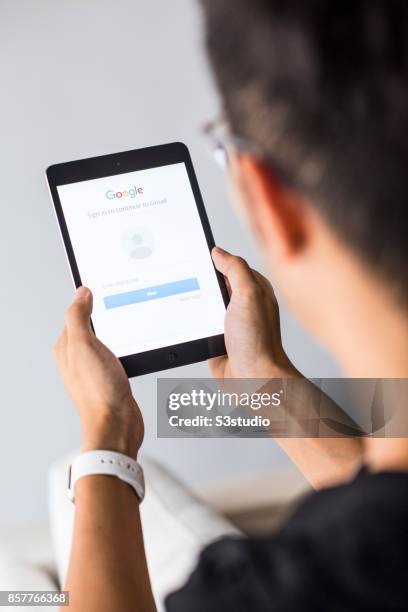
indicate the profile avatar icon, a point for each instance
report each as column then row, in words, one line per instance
column 138, row 243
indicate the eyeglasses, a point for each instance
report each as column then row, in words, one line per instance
column 222, row 140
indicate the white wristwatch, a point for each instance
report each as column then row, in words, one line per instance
column 106, row 463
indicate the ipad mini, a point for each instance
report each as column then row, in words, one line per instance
column 136, row 233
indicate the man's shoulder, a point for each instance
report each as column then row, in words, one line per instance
column 344, row 548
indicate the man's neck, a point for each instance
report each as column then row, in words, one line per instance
column 377, row 345
column 372, row 342
column 386, row 455
column 368, row 331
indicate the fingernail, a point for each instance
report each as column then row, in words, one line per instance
column 219, row 250
column 81, row 293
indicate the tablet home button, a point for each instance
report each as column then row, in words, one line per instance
column 172, row 357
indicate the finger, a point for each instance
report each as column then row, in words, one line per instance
column 228, row 286
column 78, row 316
column 217, row 366
column 263, row 282
column 236, row 269
column 61, row 347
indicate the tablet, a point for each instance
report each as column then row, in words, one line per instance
column 136, row 233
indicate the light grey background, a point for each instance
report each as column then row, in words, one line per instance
column 82, row 78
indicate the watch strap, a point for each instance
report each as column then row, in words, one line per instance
column 108, row 463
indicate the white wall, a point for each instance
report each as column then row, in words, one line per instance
column 82, row 78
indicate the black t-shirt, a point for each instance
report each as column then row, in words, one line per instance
column 345, row 548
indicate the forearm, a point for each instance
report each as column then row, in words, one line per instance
column 316, row 434
column 324, row 461
column 108, row 569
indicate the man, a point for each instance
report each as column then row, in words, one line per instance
column 316, row 102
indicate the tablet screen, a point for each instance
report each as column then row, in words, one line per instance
column 140, row 247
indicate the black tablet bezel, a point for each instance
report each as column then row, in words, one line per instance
column 120, row 163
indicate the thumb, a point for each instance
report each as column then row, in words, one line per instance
column 78, row 316
column 234, row 268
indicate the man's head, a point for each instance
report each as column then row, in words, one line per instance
column 319, row 91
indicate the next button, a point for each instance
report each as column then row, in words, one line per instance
column 151, row 293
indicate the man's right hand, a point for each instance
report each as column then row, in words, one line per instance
column 252, row 326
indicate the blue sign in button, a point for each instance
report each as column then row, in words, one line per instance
column 151, row 293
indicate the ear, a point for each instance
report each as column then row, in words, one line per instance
column 277, row 214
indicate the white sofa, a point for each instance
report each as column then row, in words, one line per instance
column 177, row 525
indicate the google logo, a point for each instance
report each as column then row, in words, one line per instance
column 132, row 192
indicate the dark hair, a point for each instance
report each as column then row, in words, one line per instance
column 321, row 89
